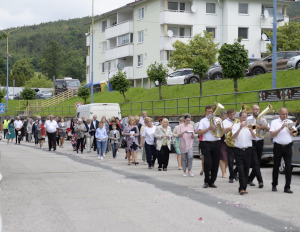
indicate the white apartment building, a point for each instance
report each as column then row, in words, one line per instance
column 136, row 35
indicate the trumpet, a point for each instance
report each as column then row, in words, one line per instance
column 290, row 126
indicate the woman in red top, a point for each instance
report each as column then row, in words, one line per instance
column 41, row 134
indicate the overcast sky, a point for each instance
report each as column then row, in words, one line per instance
column 16, row 13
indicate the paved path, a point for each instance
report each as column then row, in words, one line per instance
column 62, row 191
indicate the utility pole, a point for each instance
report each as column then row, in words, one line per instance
column 274, row 56
column 92, row 71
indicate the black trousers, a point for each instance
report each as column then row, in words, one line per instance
column 285, row 152
column 51, row 140
column 163, row 157
column 243, row 159
column 94, row 143
column 151, row 154
column 212, row 152
column 257, row 149
column 231, row 157
column 5, row 131
column 80, row 142
column 16, row 132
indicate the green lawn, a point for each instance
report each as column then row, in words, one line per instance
column 169, row 107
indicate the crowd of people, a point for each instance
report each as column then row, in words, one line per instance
column 139, row 133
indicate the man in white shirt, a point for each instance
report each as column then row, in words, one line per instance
column 142, row 118
column 211, row 149
column 283, row 143
column 18, row 126
column 243, row 142
column 228, row 123
column 51, row 128
column 257, row 148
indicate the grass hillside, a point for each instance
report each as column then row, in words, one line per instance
column 288, row 78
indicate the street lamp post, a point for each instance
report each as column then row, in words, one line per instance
column 274, row 40
column 7, row 64
column 92, row 70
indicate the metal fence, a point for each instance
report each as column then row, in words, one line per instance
column 177, row 106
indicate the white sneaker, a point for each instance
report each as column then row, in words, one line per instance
column 101, row 157
column 191, row 174
column 184, row 174
column 98, row 157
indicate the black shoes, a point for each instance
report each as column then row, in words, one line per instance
column 230, row 180
column 288, row 191
column 251, row 183
column 205, row 185
column 261, row 185
column 274, row 189
column 159, row 169
column 165, row 169
column 212, row 186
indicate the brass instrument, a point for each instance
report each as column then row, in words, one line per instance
column 228, row 138
column 246, row 109
column 260, row 133
column 290, row 126
column 217, row 121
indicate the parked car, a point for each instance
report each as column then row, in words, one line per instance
column 295, row 157
column 265, row 65
column 67, row 83
column 182, row 76
column 44, row 94
column 293, row 63
column 18, row 96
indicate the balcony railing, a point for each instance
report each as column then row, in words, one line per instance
column 166, row 42
column 119, row 52
column 177, row 17
column 268, row 22
column 119, row 29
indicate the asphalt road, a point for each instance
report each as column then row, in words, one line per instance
column 62, row 191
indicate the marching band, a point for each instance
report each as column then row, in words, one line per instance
column 244, row 137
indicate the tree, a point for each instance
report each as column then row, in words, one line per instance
column 2, row 72
column 74, row 66
column 234, row 61
column 51, row 61
column 119, row 82
column 22, row 71
column 39, row 81
column 28, row 93
column 288, row 37
column 199, row 45
column 2, row 94
column 157, row 72
column 200, row 67
column 84, row 93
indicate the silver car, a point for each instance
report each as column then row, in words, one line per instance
column 293, row 63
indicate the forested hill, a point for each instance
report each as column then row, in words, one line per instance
column 30, row 41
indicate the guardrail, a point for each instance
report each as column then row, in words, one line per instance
column 177, row 106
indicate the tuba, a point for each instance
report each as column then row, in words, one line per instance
column 217, row 121
column 228, row 138
column 260, row 133
column 246, row 109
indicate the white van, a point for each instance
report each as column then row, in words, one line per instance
column 100, row 109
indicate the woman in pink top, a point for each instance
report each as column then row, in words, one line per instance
column 186, row 139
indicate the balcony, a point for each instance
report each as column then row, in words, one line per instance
column 263, row 46
column 128, row 70
column 177, row 18
column 88, row 41
column 119, row 29
column 165, row 43
column 268, row 23
column 87, row 60
column 119, row 52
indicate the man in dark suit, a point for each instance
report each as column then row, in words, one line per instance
column 94, row 126
column 87, row 129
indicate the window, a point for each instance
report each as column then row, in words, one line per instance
column 243, row 8
column 124, row 39
column 181, row 32
column 59, row 84
column 140, row 36
column 269, row 9
column 104, row 66
column 141, row 13
column 169, row 54
column 176, row 6
column 140, row 60
column 291, row 54
column 104, row 25
column 210, row 8
column 174, row 30
column 212, row 30
column 243, row 32
column 104, row 46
